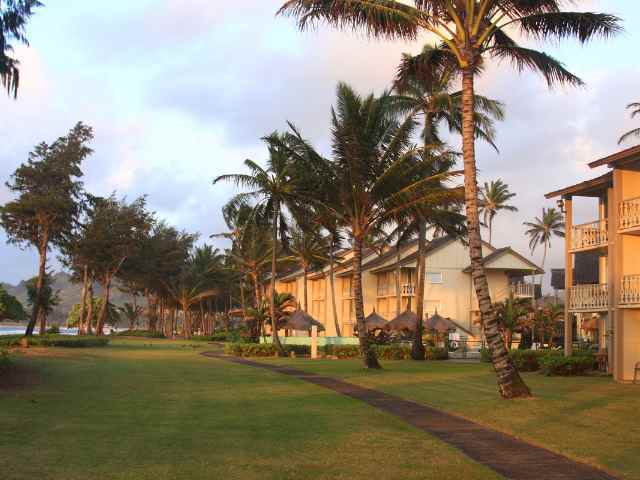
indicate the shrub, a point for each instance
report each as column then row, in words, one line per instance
column 527, row 360
column 559, row 365
column 53, row 330
column 343, row 351
column 485, row 355
column 141, row 333
column 5, row 361
column 250, row 349
column 394, row 352
column 436, row 353
column 63, row 341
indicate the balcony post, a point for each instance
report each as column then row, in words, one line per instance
column 568, row 276
column 612, row 279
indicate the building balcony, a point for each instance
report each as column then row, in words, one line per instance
column 408, row 290
column 630, row 291
column 589, row 298
column 589, row 236
column 629, row 214
column 522, row 290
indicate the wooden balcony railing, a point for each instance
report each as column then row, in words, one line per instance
column 589, row 298
column 630, row 290
column 629, row 213
column 590, row 235
column 408, row 290
column 523, row 290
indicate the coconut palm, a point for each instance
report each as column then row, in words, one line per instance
column 494, row 198
column 471, row 32
column 635, row 110
column 273, row 189
column 542, row 230
column 512, row 312
column 14, row 15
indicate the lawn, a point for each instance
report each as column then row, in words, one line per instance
column 591, row 419
column 153, row 409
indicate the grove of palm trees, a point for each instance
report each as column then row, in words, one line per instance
column 158, row 381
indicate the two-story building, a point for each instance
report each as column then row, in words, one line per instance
column 614, row 235
column 448, row 285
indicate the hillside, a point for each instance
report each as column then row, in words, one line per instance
column 69, row 293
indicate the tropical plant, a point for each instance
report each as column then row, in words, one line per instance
column 10, row 307
column 542, row 230
column 49, row 199
column 512, row 313
column 131, row 313
column 471, row 32
column 14, row 15
column 494, row 198
column 283, row 303
column 635, row 110
column 274, row 189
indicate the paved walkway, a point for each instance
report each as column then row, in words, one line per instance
column 503, row 453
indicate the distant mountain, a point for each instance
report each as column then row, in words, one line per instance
column 69, row 293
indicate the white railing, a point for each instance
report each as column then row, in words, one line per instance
column 589, row 298
column 589, row 235
column 630, row 291
column 408, row 289
column 523, row 290
column 629, row 213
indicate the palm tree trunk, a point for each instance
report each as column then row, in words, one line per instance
column 272, row 296
column 83, row 300
column 398, row 274
column 368, row 354
column 544, row 259
column 332, row 284
column 510, row 383
column 417, row 350
column 490, row 229
column 42, row 271
column 304, row 289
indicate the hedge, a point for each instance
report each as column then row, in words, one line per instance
column 63, row 341
column 385, row 352
column 140, row 333
column 558, row 365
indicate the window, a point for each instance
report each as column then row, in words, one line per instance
column 434, row 277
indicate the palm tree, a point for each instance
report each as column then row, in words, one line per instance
column 511, row 313
column 542, row 230
column 635, row 110
column 131, row 312
column 495, row 196
column 14, row 15
column 274, row 188
column 471, row 32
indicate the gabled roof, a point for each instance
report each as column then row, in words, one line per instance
column 412, row 257
column 501, row 252
column 619, row 159
column 589, row 188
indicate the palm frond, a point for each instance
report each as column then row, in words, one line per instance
column 582, row 25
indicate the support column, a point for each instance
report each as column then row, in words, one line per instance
column 607, row 335
column 568, row 276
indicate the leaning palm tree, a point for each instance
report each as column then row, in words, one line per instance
column 273, row 189
column 635, row 110
column 494, row 198
column 471, row 32
column 14, row 15
column 542, row 230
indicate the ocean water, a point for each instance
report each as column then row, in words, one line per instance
column 20, row 330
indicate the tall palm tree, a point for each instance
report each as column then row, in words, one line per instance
column 542, row 230
column 471, row 32
column 273, row 189
column 494, row 198
column 14, row 15
column 635, row 110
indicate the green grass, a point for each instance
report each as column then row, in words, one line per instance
column 591, row 419
column 156, row 409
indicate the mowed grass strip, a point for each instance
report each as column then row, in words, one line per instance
column 142, row 409
column 590, row 419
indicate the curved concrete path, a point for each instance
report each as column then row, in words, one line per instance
column 510, row 457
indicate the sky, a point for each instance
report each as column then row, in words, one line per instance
column 180, row 91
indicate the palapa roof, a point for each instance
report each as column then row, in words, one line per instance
column 301, row 320
column 439, row 324
column 407, row 320
column 374, row 320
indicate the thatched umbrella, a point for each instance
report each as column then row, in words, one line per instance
column 438, row 324
column 301, row 320
column 407, row 320
column 375, row 321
